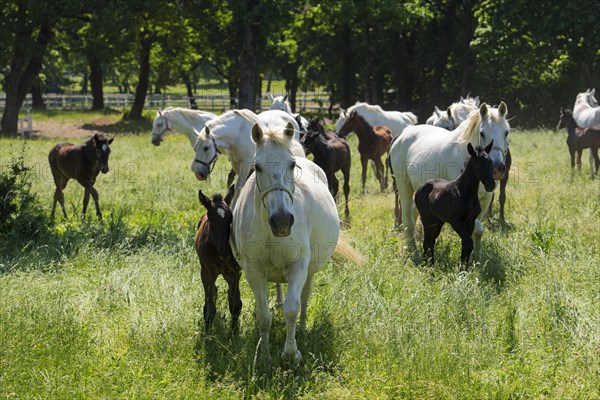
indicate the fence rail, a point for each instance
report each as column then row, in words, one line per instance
column 305, row 101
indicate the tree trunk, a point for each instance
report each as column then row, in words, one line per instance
column 143, row 77
column 347, row 84
column 232, row 86
column 248, row 66
column 24, row 67
column 37, row 101
column 291, row 85
column 188, row 87
column 96, row 83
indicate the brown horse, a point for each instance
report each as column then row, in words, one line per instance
column 455, row 202
column 373, row 142
column 82, row 162
column 216, row 258
column 579, row 139
column 330, row 153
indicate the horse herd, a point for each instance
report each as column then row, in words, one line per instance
column 279, row 221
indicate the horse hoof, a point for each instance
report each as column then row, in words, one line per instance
column 295, row 358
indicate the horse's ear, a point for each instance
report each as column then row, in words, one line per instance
column 483, row 110
column 285, row 97
column 111, row 140
column 476, row 100
column 289, row 131
column 257, row 133
column 438, row 112
column 470, row 149
column 160, row 112
column 449, row 112
column 205, row 201
column 207, row 130
column 488, row 148
column 270, row 96
column 342, row 112
column 229, row 195
column 592, row 91
column 502, row 109
column 96, row 139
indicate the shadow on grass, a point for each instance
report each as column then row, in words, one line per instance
column 240, row 356
column 65, row 240
column 122, row 126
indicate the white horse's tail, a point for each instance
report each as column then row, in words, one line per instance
column 345, row 250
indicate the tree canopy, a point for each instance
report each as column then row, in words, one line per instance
column 403, row 55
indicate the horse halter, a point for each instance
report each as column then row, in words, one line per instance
column 211, row 164
column 166, row 125
column 264, row 193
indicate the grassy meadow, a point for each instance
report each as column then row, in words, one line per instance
column 111, row 309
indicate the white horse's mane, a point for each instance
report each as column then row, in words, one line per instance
column 468, row 127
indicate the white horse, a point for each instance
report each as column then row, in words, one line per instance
column 454, row 114
column 230, row 133
column 426, row 152
column 396, row 121
column 180, row 119
column 285, row 228
column 281, row 103
column 586, row 111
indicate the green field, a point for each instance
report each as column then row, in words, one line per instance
column 111, row 309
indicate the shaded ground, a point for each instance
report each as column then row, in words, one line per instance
column 78, row 129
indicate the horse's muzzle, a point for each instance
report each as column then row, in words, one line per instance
column 156, row 141
column 104, row 169
column 499, row 171
column 489, row 186
column 281, row 224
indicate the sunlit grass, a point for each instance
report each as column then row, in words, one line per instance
column 110, row 309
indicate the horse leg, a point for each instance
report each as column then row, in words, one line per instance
column 431, row 230
column 88, row 187
column 278, row 295
column 405, row 193
column 592, row 158
column 230, row 178
column 210, row 295
column 232, row 277
column 466, row 241
column 59, row 196
column 334, row 186
column 364, row 161
column 306, row 292
column 579, row 152
column 572, row 154
column 502, row 196
column 594, row 153
column 346, row 172
column 296, row 278
column 258, row 284
column 379, row 171
column 86, row 200
column 397, row 209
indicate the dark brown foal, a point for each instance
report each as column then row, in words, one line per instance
column 373, row 142
column 216, row 258
column 82, row 162
column 455, row 202
column 579, row 139
column 330, row 153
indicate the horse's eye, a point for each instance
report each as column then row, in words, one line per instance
column 482, row 134
column 292, row 165
column 205, row 148
column 258, row 168
column 506, row 134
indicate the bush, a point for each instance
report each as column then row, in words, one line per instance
column 22, row 218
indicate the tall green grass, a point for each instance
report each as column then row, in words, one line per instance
column 111, row 309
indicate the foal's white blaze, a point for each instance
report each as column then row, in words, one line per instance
column 221, row 212
column 104, row 148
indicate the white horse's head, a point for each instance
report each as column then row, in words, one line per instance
column 341, row 120
column 275, row 168
column 494, row 127
column 160, row 126
column 587, row 97
column 206, row 154
column 444, row 119
column 280, row 103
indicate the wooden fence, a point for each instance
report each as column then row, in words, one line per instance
column 218, row 102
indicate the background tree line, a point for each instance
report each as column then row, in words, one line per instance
column 403, row 55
